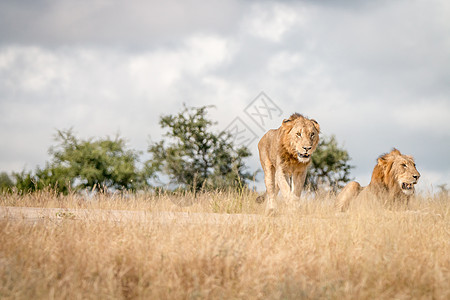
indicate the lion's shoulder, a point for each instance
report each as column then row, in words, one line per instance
column 269, row 139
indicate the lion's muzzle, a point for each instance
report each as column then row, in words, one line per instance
column 303, row 157
column 407, row 186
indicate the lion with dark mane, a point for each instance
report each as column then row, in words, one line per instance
column 285, row 154
column 393, row 180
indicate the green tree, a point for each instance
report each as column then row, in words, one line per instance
column 330, row 166
column 53, row 177
column 88, row 163
column 79, row 164
column 26, row 181
column 195, row 157
column 6, row 182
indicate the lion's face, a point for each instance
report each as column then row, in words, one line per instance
column 302, row 137
column 407, row 174
column 400, row 170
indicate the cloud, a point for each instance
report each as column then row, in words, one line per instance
column 270, row 21
column 98, row 92
column 397, row 47
column 136, row 25
column 284, row 62
column 373, row 74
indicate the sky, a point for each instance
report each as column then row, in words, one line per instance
column 376, row 74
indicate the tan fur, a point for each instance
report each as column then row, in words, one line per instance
column 285, row 154
column 393, row 180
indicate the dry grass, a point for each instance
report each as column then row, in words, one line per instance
column 214, row 202
column 305, row 253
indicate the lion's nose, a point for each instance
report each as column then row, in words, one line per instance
column 416, row 177
column 307, row 148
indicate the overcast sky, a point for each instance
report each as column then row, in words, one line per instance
column 376, row 74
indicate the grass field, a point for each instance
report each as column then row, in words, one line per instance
column 309, row 252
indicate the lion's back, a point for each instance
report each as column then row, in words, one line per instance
column 268, row 145
column 349, row 192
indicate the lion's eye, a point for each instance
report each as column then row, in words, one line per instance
column 299, row 134
column 404, row 165
column 312, row 135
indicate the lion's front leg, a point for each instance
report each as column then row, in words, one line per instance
column 271, row 189
column 286, row 185
column 298, row 181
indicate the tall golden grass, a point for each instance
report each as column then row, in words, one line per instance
column 308, row 252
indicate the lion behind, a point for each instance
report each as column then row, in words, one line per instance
column 393, row 180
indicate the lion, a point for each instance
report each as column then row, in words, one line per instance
column 285, row 154
column 393, row 180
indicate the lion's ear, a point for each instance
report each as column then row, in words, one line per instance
column 287, row 124
column 316, row 125
column 381, row 160
column 383, row 163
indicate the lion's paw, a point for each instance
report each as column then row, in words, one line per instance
column 271, row 208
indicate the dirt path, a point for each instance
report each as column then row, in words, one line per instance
column 35, row 214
